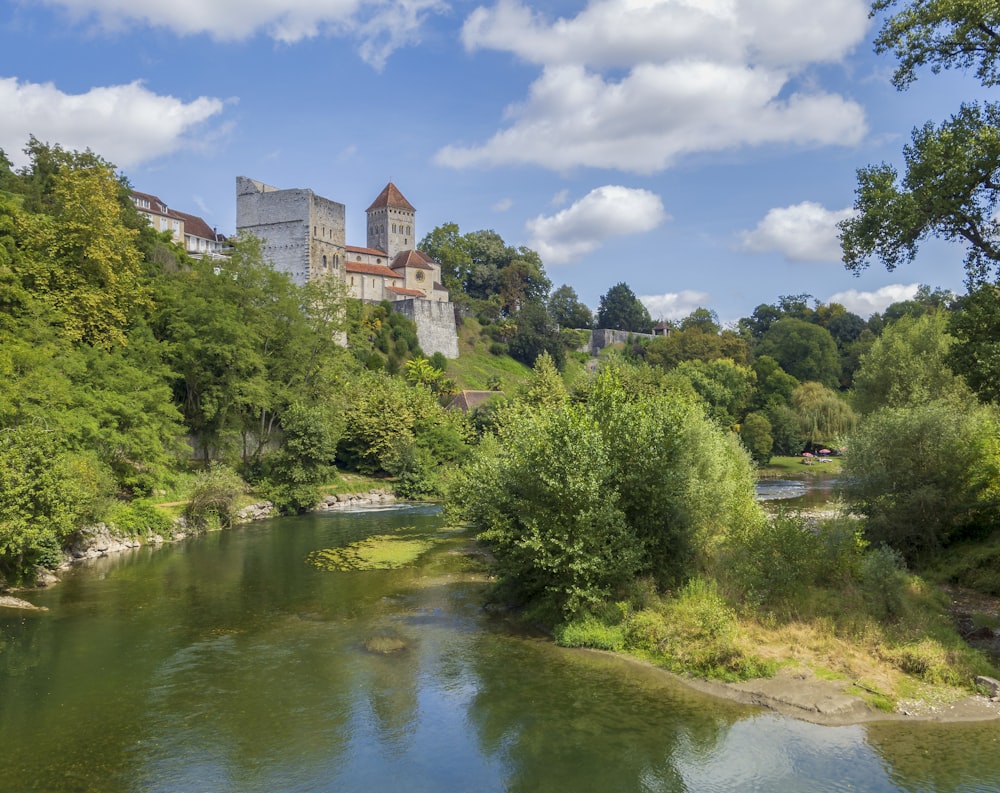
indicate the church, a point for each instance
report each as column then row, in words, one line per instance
column 304, row 235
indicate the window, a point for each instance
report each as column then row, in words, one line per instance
column 324, row 261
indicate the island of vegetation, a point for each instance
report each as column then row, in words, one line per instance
column 143, row 390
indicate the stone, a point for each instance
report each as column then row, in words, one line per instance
column 990, row 684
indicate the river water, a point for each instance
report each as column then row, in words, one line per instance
column 228, row 663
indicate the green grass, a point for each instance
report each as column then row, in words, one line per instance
column 475, row 366
column 793, row 466
column 973, row 565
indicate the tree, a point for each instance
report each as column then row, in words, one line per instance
column 975, row 353
column 620, row 309
column 724, row 386
column 924, row 476
column 755, row 432
column 950, row 186
column 823, row 416
column 566, row 309
column 804, row 350
column 80, row 256
column 947, row 34
column 908, row 366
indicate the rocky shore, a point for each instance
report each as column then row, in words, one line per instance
column 94, row 542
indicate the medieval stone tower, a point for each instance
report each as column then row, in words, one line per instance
column 391, row 222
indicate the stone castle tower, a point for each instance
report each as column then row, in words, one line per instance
column 391, row 222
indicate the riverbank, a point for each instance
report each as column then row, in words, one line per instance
column 95, row 542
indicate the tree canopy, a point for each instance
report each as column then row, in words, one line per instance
column 950, row 185
column 620, row 309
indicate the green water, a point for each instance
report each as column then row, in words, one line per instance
column 227, row 663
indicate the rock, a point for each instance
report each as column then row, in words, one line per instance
column 6, row 601
column 991, row 685
column 45, row 577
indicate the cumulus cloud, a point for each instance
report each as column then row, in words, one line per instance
column 605, row 212
column 805, row 232
column 674, row 305
column 380, row 27
column 865, row 304
column 638, row 84
column 126, row 124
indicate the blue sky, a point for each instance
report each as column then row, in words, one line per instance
column 699, row 150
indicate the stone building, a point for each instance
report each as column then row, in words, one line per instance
column 303, row 234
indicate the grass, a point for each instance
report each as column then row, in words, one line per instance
column 793, row 466
column 476, row 366
column 975, row 565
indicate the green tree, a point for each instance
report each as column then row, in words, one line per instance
column 908, row 366
column 566, row 309
column 79, row 253
column 975, row 353
column 804, row 350
column 725, row 387
column 824, row 417
column 755, row 432
column 924, row 476
column 949, row 188
column 620, row 309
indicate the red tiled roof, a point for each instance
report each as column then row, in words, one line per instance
column 196, row 227
column 402, row 290
column 412, row 258
column 369, row 251
column 391, row 197
column 370, row 269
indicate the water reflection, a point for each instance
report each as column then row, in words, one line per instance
column 229, row 664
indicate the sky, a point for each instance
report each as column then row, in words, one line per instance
column 701, row 151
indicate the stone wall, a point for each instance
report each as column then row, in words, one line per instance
column 601, row 338
column 435, row 321
column 297, row 228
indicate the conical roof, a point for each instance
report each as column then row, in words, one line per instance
column 391, row 197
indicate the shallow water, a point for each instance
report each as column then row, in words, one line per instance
column 227, row 663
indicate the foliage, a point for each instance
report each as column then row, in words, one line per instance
column 975, row 353
column 566, row 309
column 292, row 474
column 576, row 497
column 924, row 476
column 946, row 34
column 620, row 309
column 537, row 495
column 214, row 498
column 545, row 389
column 949, row 188
column 907, row 365
column 46, row 493
column 79, row 256
column 755, row 432
column 725, row 387
column 802, row 349
column 139, row 518
column 823, row 416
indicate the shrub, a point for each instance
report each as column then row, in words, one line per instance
column 213, row 501
column 138, row 519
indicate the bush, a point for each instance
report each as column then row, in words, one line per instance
column 497, row 348
column 213, row 502
column 138, row 519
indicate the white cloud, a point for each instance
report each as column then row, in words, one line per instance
column 560, row 198
column 381, row 27
column 805, row 232
column 706, row 76
column 865, row 304
column 503, row 205
column 605, row 212
column 126, row 124
column 625, row 32
column 674, row 305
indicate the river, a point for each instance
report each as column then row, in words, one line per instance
column 228, row 663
